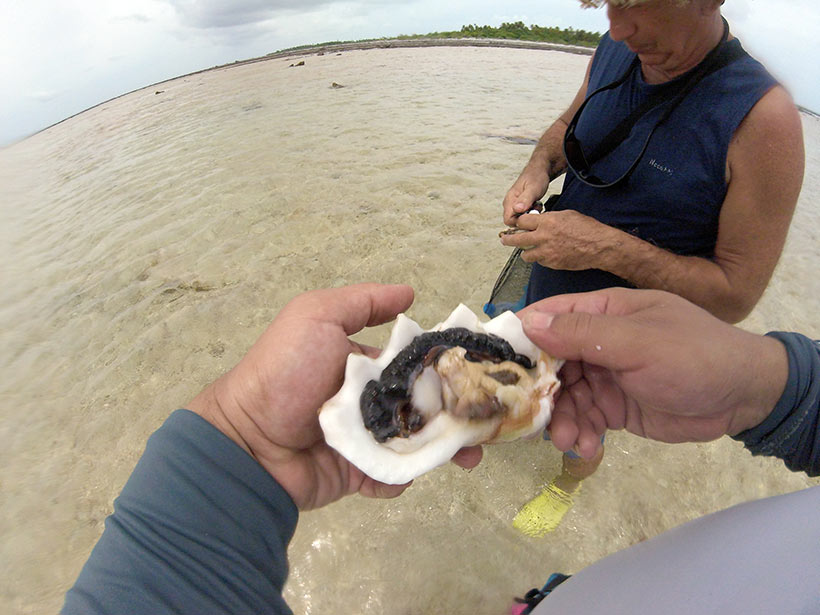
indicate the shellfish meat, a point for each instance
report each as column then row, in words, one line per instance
column 430, row 393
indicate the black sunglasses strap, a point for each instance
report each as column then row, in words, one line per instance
column 722, row 55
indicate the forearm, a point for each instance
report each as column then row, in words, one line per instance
column 702, row 281
column 200, row 527
column 548, row 154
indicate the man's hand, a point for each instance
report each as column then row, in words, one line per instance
column 268, row 403
column 654, row 364
column 530, row 186
column 564, row 239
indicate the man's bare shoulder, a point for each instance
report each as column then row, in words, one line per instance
column 770, row 136
column 774, row 116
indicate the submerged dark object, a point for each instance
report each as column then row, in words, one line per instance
column 387, row 410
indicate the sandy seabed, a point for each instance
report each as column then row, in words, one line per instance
column 147, row 243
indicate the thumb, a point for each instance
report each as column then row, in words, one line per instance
column 523, row 204
column 598, row 339
column 374, row 489
column 526, row 199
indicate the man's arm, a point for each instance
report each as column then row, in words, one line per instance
column 203, row 522
column 200, row 527
column 545, row 164
column 662, row 368
column 765, row 172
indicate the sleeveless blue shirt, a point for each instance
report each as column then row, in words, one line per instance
column 674, row 196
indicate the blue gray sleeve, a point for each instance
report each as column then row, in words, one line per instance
column 792, row 431
column 200, row 527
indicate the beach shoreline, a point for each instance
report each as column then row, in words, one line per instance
column 323, row 48
column 409, row 43
column 319, row 49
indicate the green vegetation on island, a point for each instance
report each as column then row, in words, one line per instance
column 520, row 31
column 509, row 31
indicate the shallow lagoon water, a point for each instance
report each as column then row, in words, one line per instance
column 148, row 242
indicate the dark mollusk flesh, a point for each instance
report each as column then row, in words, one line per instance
column 385, row 403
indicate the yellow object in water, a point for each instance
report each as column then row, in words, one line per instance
column 544, row 512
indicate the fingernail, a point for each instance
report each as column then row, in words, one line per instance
column 536, row 321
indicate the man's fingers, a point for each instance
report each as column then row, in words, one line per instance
column 611, row 301
column 563, row 427
column 523, row 204
column 368, row 351
column 387, row 302
column 368, row 305
column 608, row 341
column 468, row 457
column 352, row 307
column 608, row 397
column 375, row 489
column 592, row 303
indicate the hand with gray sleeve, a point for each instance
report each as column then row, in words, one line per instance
column 203, row 523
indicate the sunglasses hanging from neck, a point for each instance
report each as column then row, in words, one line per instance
column 673, row 93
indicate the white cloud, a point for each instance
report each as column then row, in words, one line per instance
column 72, row 54
column 783, row 35
column 221, row 14
column 44, row 96
column 229, row 13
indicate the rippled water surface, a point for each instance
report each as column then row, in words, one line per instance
column 147, row 242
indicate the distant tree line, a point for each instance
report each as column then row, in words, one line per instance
column 516, row 31
column 520, row 31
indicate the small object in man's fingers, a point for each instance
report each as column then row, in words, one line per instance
column 512, row 230
column 535, row 208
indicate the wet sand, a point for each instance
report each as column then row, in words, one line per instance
column 150, row 240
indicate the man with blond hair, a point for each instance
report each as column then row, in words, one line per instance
column 705, row 211
column 683, row 158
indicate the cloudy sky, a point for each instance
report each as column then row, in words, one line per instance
column 58, row 57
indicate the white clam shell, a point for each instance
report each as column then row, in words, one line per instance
column 400, row 460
